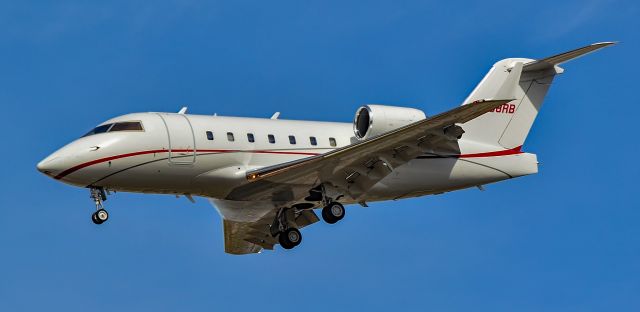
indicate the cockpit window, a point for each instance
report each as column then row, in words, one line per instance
column 99, row 129
column 127, row 126
column 118, row 126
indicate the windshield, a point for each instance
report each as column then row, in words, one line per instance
column 99, row 129
column 127, row 126
column 118, row 126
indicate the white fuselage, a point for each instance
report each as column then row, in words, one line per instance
column 175, row 155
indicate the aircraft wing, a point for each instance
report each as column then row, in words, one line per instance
column 235, row 238
column 352, row 169
column 245, row 237
column 357, row 167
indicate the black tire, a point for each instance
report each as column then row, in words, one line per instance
column 327, row 217
column 284, row 243
column 290, row 238
column 291, row 233
column 104, row 214
column 95, row 219
column 333, row 212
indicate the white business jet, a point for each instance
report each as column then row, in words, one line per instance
column 266, row 176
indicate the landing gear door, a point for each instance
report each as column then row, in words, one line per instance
column 181, row 140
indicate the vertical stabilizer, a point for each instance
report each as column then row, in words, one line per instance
column 508, row 125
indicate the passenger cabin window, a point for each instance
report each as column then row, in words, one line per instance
column 250, row 137
column 127, row 126
column 332, row 142
column 272, row 139
column 313, row 141
column 292, row 139
column 230, row 137
column 209, row 135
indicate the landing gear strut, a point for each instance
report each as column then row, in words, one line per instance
column 99, row 196
column 332, row 211
column 288, row 235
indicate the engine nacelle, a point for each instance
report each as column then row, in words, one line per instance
column 372, row 120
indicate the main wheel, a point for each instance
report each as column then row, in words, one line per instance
column 333, row 213
column 290, row 238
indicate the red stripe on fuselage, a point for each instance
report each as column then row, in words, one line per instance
column 110, row 158
column 101, row 160
column 513, row 151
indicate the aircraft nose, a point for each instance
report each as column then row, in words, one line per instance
column 51, row 165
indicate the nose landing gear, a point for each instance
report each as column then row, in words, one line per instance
column 100, row 216
column 99, row 196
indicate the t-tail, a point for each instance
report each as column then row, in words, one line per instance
column 508, row 125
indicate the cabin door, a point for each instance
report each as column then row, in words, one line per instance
column 181, row 140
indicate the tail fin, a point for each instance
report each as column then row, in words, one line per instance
column 509, row 125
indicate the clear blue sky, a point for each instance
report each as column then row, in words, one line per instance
column 567, row 239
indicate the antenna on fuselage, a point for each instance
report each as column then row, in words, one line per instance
column 275, row 115
column 182, row 110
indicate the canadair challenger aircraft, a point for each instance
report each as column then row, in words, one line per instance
column 266, row 176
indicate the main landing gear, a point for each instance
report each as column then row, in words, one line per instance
column 290, row 238
column 101, row 215
column 284, row 228
column 333, row 212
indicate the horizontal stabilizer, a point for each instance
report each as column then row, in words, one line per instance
column 550, row 62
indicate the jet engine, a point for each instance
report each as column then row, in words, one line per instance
column 373, row 120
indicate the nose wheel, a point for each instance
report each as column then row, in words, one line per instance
column 100, row 216
column 99, row 196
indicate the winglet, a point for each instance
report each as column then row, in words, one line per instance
column 550, row 62
column 508, row 89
